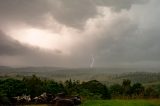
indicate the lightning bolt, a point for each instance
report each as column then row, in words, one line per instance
column 92, row 62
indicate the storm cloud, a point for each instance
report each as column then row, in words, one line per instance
column 73, row 13
column 123, row 33
column 8, row 46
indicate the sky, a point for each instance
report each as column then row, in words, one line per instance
column 80, row 33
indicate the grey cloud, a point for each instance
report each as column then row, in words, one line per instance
column 120, row 4
column 8, row 46
column 73, row 13
column 26, row 11
column 125, row 41
column 15, row 53
column 128, row 42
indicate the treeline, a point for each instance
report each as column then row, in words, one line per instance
column 93, row 89
column 143, row 77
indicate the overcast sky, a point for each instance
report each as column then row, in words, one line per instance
column 80, row 33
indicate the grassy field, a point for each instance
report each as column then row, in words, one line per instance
column 121, row 103
column 154, row 102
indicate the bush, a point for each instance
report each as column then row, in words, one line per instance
column 3, row 98
column 96, row 88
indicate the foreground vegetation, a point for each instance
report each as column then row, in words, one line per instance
column 95, row 90
column 152, row 102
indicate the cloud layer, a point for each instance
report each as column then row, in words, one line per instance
column 122, row 33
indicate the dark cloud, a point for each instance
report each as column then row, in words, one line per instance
column 129, row 37
column 127, row 42
column 73, row 13
column 119, row 4
column 8, row 46
column 18, row 54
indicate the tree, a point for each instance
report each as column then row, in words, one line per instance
column 137, row 89
column 53, row 87
column 116, row 90
column 72, row 87
column 3, row 98
column 96, row 88
column 13, row 87
column 150, row 92
column 126, row 85
column 158, row 89
column 35, row 86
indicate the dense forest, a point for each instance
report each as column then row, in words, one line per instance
column 35, row 86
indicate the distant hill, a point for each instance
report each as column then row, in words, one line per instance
column 105, row 75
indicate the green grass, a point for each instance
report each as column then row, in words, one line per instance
column 150, row 102
column 121, row 103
